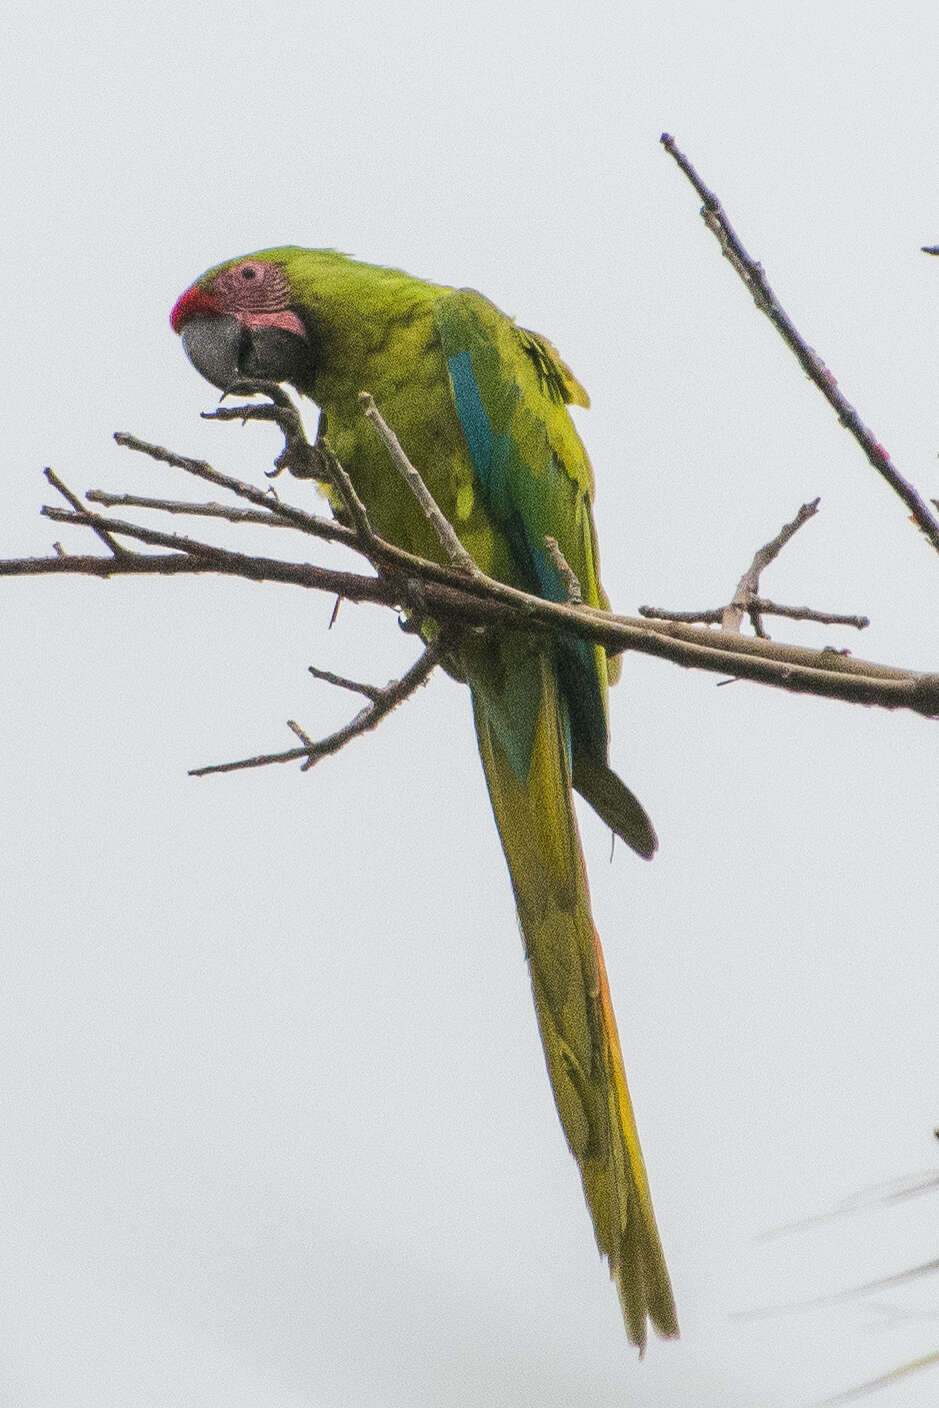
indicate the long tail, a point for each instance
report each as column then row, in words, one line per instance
column 539, row 835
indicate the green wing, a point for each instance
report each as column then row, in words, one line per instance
column 511, row 391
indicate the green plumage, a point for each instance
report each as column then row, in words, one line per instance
column 480, row 407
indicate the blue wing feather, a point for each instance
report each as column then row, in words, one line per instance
column 517, row 493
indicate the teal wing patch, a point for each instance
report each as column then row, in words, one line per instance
column 510, row 390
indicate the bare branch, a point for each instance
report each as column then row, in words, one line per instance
column 715, row 614
column 449, row 541
column 85, row 565
column 265, row 499
column 746, row 600
column 455, row 599
column 749, row 584
column 808, row 613
column 77, row 504
column 229, row 512
column 382, row 702
column 361, row 538
column 765, row 299
column 191, row 555
column 371, row 691
column 452, row 598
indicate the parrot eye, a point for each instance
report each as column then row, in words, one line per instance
column 252, row 286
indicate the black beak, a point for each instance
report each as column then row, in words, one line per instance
column 224, row 350
column 212, row 346
column 930, row 248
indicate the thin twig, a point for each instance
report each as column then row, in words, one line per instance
column 299, row 457
column 573, row 593
column 448, row 539
column 76, row 503
column 851, row 1395
column 882, row 1283
column 749, row 584
column 809, row 613
column 371, row 691
column 189, row 554
column 875, row 1195
column 265, row 499
column 360, row 537
column 747, row 602
column 714, row 615
column 383, row 702
column 710, row 615
column 755, row 279
column 229, row 512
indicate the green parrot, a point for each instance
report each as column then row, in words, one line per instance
column 479, row 405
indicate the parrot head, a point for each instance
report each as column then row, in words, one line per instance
column 238, row 322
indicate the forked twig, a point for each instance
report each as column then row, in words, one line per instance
column 746, row 599
column 381, row 702
column 454, row 599
column 749, row 584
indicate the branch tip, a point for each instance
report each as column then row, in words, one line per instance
column 752, row 274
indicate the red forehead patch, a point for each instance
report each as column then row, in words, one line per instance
column 194, row 303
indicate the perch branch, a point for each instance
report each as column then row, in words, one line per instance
column 755, row 279
column 450, row 597
column 191, row 555
column 384, row 556
column 454, row 599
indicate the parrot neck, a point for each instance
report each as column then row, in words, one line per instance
column 355, row 314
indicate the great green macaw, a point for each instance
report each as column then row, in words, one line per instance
column 480, row 407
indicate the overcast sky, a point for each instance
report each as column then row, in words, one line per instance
column 276, row 1129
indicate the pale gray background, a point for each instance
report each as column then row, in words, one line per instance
column 275, row 1124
